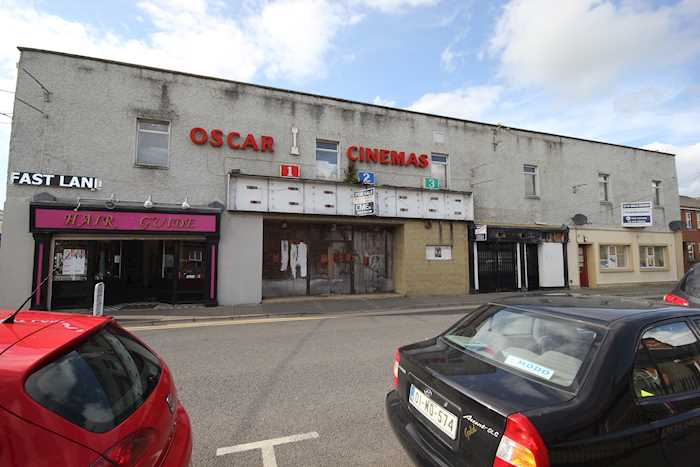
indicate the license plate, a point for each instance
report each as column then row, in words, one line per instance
column 446, row 421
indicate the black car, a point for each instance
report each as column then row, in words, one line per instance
column 687, row 292
column 553, row 381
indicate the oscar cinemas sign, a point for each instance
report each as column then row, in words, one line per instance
column 62, row 181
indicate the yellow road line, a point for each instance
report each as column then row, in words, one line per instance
column 283, row 319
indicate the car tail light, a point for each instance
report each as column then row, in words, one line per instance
column 675, row 300
column 397, row 360
column 521, row 445
column 129, row 451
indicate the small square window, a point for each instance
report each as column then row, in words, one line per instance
column 327, row 159
column 152, row 143
column 530, row 173
column 438, row 168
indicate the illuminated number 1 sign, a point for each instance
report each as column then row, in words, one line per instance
column 290, row 171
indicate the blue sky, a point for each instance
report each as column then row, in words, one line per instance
column 619, row 71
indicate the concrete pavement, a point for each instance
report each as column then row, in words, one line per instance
column 161, row 313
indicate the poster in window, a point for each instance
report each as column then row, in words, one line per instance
column 74, row 262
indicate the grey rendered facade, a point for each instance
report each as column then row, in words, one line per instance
column 87, row 126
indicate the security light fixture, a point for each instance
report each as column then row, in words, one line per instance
column 148, row 204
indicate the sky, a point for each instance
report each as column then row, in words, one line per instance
column 621, row 71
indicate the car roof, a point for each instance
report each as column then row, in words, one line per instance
column 597, row 308
column 53, row 330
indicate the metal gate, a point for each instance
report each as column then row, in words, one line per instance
column 497, row 266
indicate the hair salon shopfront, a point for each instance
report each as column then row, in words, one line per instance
column 141, row 256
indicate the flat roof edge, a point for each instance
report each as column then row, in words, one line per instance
column 338, row 99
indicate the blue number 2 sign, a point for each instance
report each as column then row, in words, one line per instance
column 366, row 178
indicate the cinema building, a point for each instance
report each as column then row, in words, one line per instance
column 175, row 188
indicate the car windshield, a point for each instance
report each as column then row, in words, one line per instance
column 542, row 346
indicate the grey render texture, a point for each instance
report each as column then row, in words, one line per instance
column 88, row 127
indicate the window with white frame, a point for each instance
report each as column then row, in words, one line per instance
column 690, row 249
column 652, row 257
column 688, row 220
column 614, row 256
column 604, row 187
column 438, row 168
column 327, row 159
column 656, row 187
column 530, row 173
column 152, row 143
column 697, row 219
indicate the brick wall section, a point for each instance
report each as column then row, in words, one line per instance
column 690, row 235
column 417, row 276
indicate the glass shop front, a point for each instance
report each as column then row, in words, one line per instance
column 301, row 258
column 150, row 257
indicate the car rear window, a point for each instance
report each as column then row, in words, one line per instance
column 99, row 383
column 541, row 346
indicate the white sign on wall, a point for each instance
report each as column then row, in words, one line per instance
column 480, row 232
column 62, row 181
column 438, row 252
column 365, row 202
column 637, row 214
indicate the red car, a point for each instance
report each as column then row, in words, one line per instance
column 78, row 390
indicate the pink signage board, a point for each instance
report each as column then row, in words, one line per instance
column 67, row 219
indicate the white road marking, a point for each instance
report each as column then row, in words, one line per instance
column 268, row 320
column 267, row 447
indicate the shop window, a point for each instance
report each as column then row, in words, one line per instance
column 152, row 143
column 327, row 159
column 70, row 261
column 652, row 256
column 668, row 361
column 656, row 187
column 438, row 168
column 614, row 256
column 688, row 220
column 531, row 182
column 604, row 187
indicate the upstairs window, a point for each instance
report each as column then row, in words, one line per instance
column 688, row 220
column 327, row 159
column 604, row 187
column 656, row 192
column 652, row 256
column 530, row 173
column 438, row 168
column 152, row 143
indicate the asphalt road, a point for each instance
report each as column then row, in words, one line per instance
column 248, row 383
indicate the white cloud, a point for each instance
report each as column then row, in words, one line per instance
column 687, row 165
column 385, row 102
column 447, row 59
column 466, row 102
column 580, row 46
column 396, row 6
